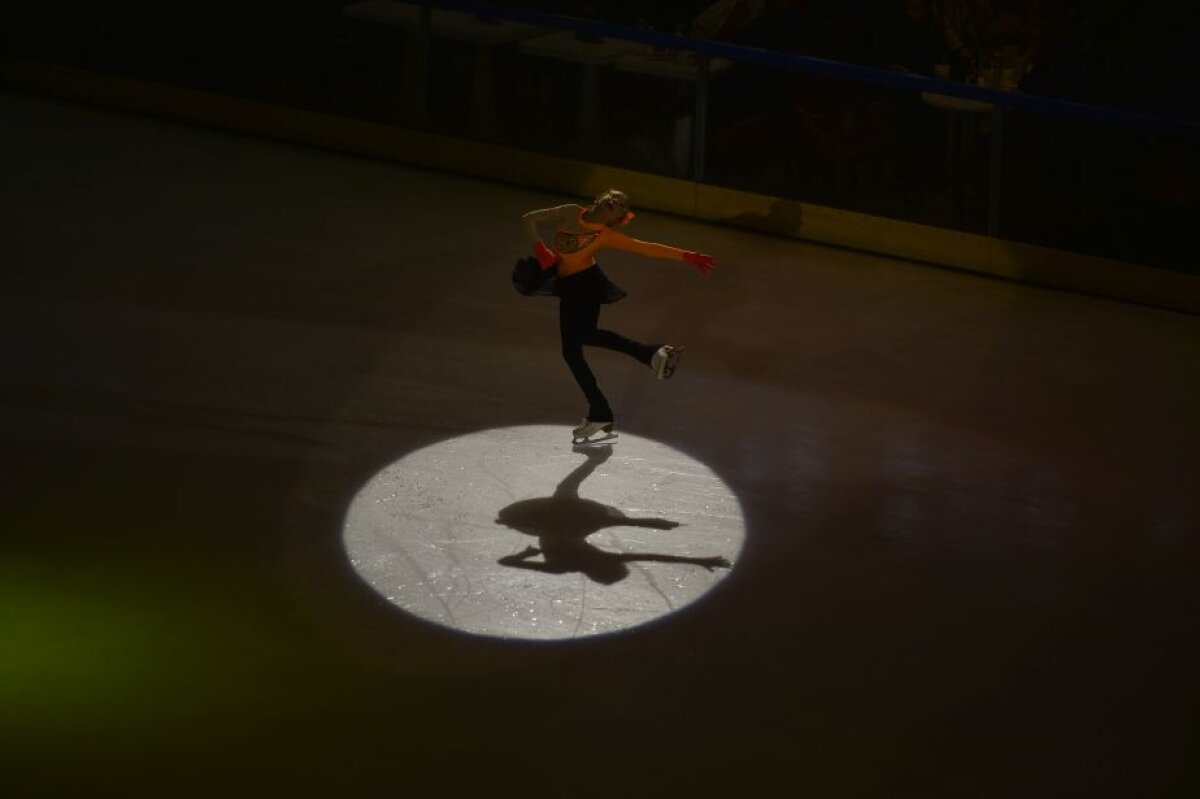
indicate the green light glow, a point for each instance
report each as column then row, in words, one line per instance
column 77, row 652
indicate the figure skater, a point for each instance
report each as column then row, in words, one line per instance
column 582, row 288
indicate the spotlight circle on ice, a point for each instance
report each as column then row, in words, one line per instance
column 515, row 533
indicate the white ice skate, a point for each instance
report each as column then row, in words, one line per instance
column 583, row 434
column 665, row 361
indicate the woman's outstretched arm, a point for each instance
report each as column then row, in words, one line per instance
column 619, row 241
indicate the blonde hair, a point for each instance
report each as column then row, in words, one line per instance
column 610, row 207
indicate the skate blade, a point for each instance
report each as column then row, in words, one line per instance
column 591, row 448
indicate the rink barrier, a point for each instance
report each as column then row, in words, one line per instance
column 978, row 254
column 796, row 62
column 705, row 51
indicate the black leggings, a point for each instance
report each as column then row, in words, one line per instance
column 580, row 298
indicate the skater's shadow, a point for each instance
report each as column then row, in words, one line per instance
column 563, row 522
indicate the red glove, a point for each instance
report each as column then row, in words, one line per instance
column 546, row 257
column 704, row 263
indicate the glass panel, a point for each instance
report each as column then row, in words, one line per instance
column 1100, row 190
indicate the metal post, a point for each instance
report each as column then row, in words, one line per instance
column 700, row 117
column 483, row 97
column 954, row 213
column 421, row 85
column 589, row 110
column 994, row 173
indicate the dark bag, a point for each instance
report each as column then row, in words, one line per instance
column 529, row 279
